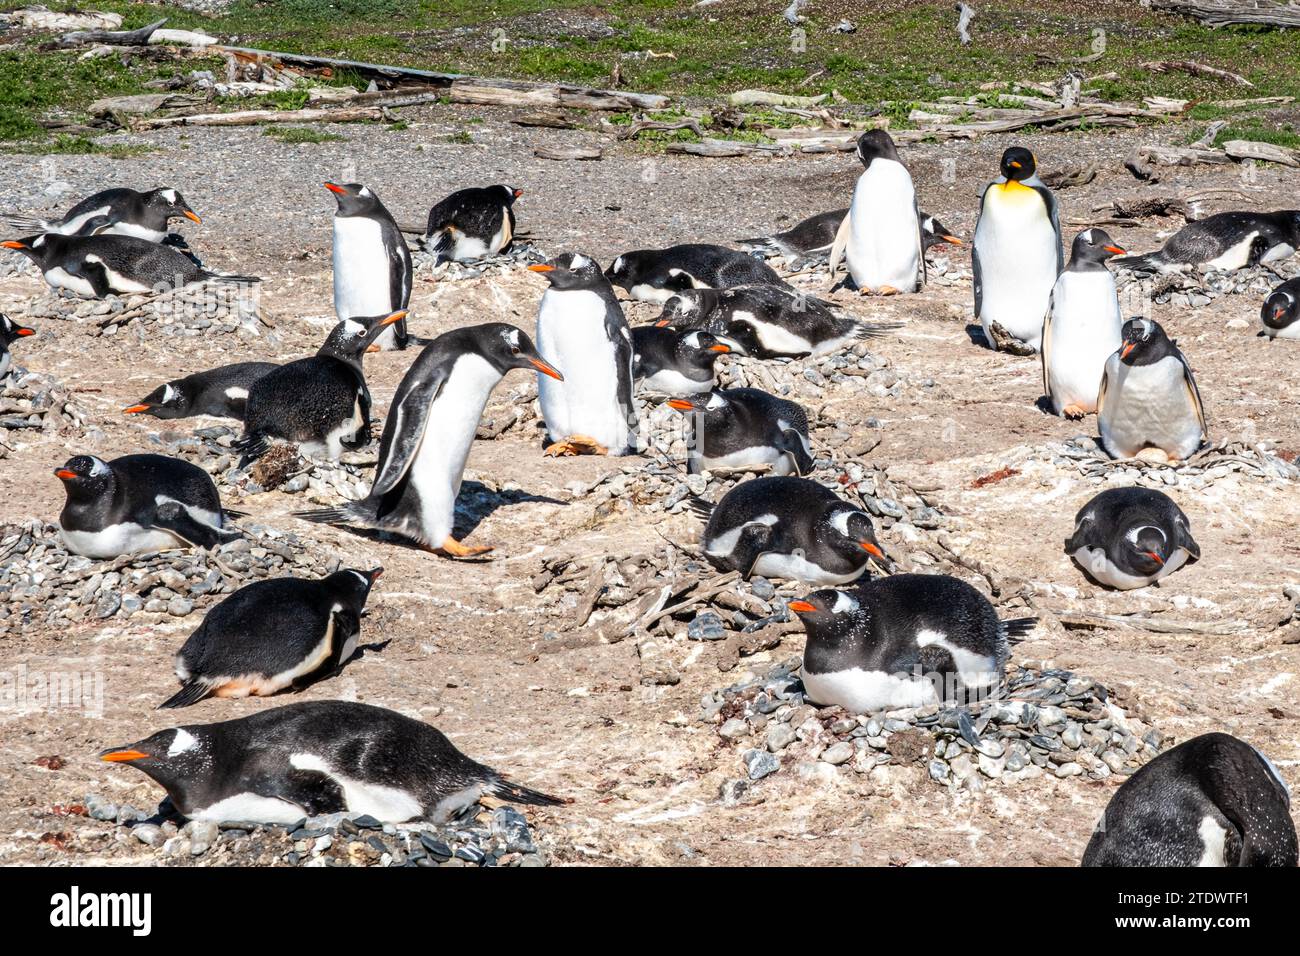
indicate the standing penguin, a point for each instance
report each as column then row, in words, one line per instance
column 1128, row 538
column 881, row 234
column 10, row 332
column 221, row 392
column 670, row 362
column 1016, row 255
column 1148, row 398
column 315, row 757
column 95, row 266
column 320, row 403
column 119, row 212
column 1280, row 311
column 427, row 435
column 1082, row 328
column 791, row 528
column 372, row 264
column 1213, row 800
column 816, row 234
column 582, row 327
column 471, row 223
column 735, row 429
column 907, row 640
column 138, row 503
column 271, row 635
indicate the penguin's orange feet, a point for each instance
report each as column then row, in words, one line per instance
column 887, row 290
column 453, row 548
column 864, row 290
column 575, row 445
column 1073, row 411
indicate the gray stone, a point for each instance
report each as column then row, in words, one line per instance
column 838, row 753
column 734, row 729
column 149, row 834
column 760, row 763
column 780, row 736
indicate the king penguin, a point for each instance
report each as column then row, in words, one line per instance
column 881, row 235
column 428, row 433
column 372, row 264
column 1016, row 255
column 581, row 325
column 1082, row 326
column 316, row 757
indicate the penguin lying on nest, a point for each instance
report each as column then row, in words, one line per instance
column 769, row 321
column 1279, row 314
column 815, row 235
column 1226, row 240
column 118, row 212
column 655, row 275
column 221, row 392
column 740, row 429
column 675, row 362
column 471, row 223
column 10, row 332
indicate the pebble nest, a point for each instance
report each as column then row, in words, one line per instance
column 29, row 400
column 1084, row 456
column 1198, row 286
column 477, row 836
column 202, row 309
column 1042, row 721
column 42, row 581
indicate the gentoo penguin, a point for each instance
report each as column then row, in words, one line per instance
column 1279, row 313
column 789, row 528
column 1148, row 397
column 372, row 264
column 671, row 362
column 881, row 235
column 1128, row 538
column 655, row 275
column 907, row 640
column 419, row 472
column 1213, row 800
column 1226, row 240
column 222, row 392
column 138, row 503
column 272, row 635
column 95, row 266
column 118, row 212
column 735, row 429
column 471, row 223
column 10, row 331
column 768, row 321
column 320, row 403
column 816, row 234
column 282, row 764
column 580, row 325
column 1082, row 326
column 1016, row 254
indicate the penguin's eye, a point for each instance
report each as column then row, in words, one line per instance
column 514, row 350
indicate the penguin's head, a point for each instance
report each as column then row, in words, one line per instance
column 701, row 402
column 506, row 347
column 1280, row 309
column 686, row 308
column 508, row 193
column 352, row 586
column 1143, row 342
column 11, row 330
column 828, row 612
column 933, row 232
column 1018, row 163
column 703, row 348
column 570, row 270
column 170, row 204
column 36, row 248
column 171, row 400
column 1093, row 245
column 351, row 338
column 851, row 533
column 85, row 476
column 354, row 199
column 627, row 269
column 876, row 144
column 1146, row 549
column 180, row 759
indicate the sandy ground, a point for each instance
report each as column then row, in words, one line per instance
column 467, row 649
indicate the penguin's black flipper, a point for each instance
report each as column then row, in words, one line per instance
column 791, row 442
column 94, row 273
column 520, row 794
column 253, row 446
column 699, row 507
column 1017, row 629
column 191, row 692
column 172, row 516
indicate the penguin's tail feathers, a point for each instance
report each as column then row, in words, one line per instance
column 223, row 277
column 874, row 330
column 438, row 245
column 324, row 515
column 516, row 793
column 191, row 692
column 699, row 507
column 1017, row 629
column 25, row 224
column 758, row 243
column 1146, row 262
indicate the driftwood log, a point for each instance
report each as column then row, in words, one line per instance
column 1217, row 13
column 1264, row 152
column 255, row 117
column 138, row 37
column 1195, row 69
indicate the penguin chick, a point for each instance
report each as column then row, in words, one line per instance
column 1127, row 538
column 273, row 635
column 221, row 392
column 316, row 757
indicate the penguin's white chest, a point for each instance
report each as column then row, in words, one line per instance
column 862, row 691
column 449, row 431
column 1099, row 565
column 138, row 231
column 884, row 247
column 571, row 334
column 59, row 278
column 1148, row 406
column 118, row 539
column 1018, row 258
column 796, row 566
column 670, row 382
column 361, row 279
column 1085, row 332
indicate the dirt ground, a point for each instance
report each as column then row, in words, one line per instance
column 468, row 651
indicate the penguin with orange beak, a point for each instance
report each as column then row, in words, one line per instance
column 676, row 363
column 10, row 332
column 738, row 429
column 118, row 212
column 372, row 263
column 1127, row 538
column 1281, row 311
column 221, row 392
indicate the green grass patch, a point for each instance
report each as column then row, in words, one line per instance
column 69, row 145
column 302, row 134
